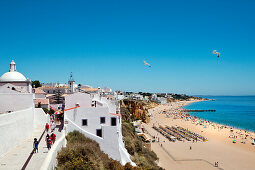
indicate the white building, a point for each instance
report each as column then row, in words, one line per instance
column 162, row 100
column 18, row 116
column 15, row 81
column 98, row 119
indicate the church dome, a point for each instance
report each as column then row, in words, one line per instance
column 12, row 75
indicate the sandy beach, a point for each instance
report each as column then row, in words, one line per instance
column 218, row 147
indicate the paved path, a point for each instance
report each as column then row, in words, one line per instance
column 17, row 157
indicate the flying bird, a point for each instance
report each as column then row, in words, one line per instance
column 215, row 52
column 147, row 64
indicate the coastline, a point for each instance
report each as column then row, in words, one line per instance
column 220, row 124
column 219, row 146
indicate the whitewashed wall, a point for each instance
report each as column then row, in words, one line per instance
column 15, row 102
column 83, row 99
column 50, row 161
column 24, row 87
column 93, row 116
column 40, row 118
column 14, row 128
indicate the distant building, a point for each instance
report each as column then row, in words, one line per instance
column 162, row 100
column 40, row 98
column 71, row 84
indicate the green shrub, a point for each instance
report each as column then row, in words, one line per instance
column 83, row 153
column 143, row 157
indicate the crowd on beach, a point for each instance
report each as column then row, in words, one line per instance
column 178, row 112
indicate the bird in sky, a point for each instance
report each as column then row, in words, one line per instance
column 147, row 64
column 215, row 52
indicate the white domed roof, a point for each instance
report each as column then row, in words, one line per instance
column 12, row 76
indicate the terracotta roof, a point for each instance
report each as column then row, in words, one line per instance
column 49, row 95
column 90, row 89
column 38, row 91
column 42, row 101
column 57, row 87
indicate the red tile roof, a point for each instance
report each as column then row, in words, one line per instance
column 38, row 91
column 42, row 101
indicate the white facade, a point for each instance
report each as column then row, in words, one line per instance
column 162, row 100
column 18, row 117
column 96, row 118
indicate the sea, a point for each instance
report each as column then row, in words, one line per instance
column 234, row 111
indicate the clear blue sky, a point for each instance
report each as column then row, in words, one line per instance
column 104, row 43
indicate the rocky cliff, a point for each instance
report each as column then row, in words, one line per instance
column 136, row 110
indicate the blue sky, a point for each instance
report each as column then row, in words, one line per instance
column 104, row 43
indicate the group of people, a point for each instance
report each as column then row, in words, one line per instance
column 216, row 164
column 52, row 126
column 50, row 139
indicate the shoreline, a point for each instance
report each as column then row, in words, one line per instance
column 218, row 123
column 218, row 148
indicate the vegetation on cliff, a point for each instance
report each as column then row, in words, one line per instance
column 143, row 157
column 82, row 153
column 183, row 97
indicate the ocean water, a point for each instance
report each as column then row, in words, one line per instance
column 236, row 111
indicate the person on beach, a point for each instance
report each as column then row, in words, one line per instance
column 35, row 146
column 47, row 127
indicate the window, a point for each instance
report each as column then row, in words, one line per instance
column 113, row 121
column 84, row 122
column 99, row 132
column 102, row 120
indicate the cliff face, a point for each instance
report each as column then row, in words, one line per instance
column 136, row 110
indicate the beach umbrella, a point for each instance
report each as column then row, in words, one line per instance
column 234, row 141
column 57, row 113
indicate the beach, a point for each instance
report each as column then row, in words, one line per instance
column 218, row 146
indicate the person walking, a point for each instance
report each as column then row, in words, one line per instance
column 53, row 138
column 49, row 143
column 35, row 146
column 47, row 127
column 52, row 126
column 46, row 138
